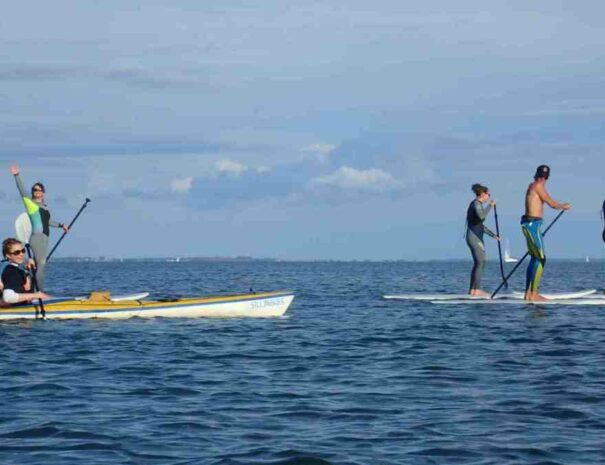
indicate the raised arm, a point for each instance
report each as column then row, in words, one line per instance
column 15, row 172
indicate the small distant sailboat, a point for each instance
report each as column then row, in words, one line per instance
column 507, row 256
column 587, row 259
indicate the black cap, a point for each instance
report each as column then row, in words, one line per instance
column 542, row 171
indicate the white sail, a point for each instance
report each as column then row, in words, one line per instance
column 507, row 256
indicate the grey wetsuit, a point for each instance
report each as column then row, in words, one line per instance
column 475, row 216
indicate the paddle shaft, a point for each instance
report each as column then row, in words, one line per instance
column 500, row 247
column 524, row 256
column 35, row 283
column 64, row 233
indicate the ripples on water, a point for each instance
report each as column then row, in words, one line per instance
column 344, row 378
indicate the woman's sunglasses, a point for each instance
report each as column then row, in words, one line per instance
column 17, row 252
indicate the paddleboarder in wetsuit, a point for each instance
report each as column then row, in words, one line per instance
column 39, row 216
column 475, row 217
column 531, row 224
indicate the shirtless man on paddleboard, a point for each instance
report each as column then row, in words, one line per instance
column 531, row 224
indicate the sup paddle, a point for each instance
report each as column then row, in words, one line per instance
column 525, row 256
column 69, row 227
column 500, row 247
column 23, row 229
column 603, row 216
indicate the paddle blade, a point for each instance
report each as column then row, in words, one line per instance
column 23, row 228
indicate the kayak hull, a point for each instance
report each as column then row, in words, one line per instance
column 261, row 305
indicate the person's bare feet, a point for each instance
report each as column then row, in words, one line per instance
column 535, row 297
column 479, row 293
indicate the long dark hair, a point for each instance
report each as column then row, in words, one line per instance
column 40, row 185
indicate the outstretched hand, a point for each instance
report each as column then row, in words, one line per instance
column 65, row 228
column 566, row 206
column 14, row 170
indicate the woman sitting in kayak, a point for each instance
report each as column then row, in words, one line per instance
column 15, row 279
column 475, row 216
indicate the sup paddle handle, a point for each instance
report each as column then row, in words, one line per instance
column 525, row 256
column 64, row 233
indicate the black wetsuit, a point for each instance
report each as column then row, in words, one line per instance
column 475, row 216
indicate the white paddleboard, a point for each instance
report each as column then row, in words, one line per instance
column 123, row 297
column 562, row 295
column 585, row 301
column 514, row 296
column 430, row 297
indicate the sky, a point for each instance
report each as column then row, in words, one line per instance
column 303, row 129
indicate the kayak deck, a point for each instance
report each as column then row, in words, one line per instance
column 266, row 304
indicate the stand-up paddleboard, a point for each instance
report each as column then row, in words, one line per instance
column 562, row 295
column 430, row 297
column 583, row 301
column 121, row 298
column 465, row 297
column 112, row 298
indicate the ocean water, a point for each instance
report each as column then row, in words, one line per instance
column 344, row 378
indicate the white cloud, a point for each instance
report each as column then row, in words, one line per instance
column 320, row 151
column 181, row 184
column 346, row 177
column 230, row 167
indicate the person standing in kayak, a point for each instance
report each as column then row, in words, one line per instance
column 531, row 224
column 39, row 217
column 17, row 284
column 475, row 217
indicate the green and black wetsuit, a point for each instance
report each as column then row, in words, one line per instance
column 41, row 224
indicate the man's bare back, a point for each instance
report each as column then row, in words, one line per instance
column 536, row 196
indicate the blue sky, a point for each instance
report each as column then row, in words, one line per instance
column 302, row 130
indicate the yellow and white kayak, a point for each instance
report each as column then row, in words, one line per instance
column 100, row 305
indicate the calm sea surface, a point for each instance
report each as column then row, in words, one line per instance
column 343, row 378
